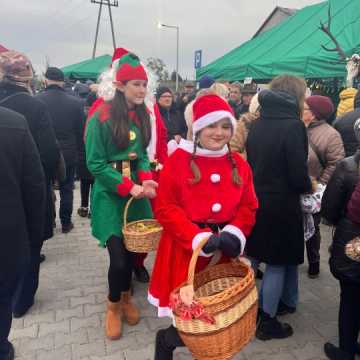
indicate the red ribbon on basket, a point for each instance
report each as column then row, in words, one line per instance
column 195, row 310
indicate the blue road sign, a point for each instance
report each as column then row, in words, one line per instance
column 197, row 60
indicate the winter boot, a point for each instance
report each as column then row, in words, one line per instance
column 314, row 270
column 335, row 353
column 271, row 328
column 113, row 320
column 129, row 310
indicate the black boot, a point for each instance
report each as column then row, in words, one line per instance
column 335, row 353
column 314, row 270
column 10, row 354
column 271, row 328
column 162, row 352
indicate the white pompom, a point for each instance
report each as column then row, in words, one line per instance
column 215, row 178
column 216, row 207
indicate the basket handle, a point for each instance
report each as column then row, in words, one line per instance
column 194, row 257
column 126, row 210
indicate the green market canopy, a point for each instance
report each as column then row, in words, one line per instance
column 88, row 69
column 294, row 46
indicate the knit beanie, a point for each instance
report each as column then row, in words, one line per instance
column 321, row 106
column 128, row 67
column 357, row 130
column 205, row 82
column 15, row 67
column 162, row 90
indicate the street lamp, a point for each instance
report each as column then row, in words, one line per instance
column 160, row 25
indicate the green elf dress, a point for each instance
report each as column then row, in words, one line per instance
column 111, row 187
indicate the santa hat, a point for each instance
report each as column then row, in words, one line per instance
column 128, row 67
column 209, row 109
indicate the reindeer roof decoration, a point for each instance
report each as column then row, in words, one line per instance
column 352, row 63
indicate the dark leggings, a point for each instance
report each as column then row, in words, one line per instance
column 120, row 269
column 85, row 186
column 349, row 317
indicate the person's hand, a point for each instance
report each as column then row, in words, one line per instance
column 230, row 244
column 150, row 188
column 137, row 191
column 212, row 244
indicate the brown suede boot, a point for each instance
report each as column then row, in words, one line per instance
column 129, row 310
column 113, row 320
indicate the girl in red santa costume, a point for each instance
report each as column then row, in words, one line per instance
column 205, row 191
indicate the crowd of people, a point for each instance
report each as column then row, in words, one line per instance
column 253, row 172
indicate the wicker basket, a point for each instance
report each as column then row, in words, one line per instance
column 140, row 241
column 228, row 293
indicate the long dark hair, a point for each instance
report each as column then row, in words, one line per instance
column 120, row 122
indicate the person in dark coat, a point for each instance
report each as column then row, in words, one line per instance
column 345, row 126
column 174, row 123
column 340, row 207
column 67, row 115
column 22, row 206
column 277, row 150
column 15, row 94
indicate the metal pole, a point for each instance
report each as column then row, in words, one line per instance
column 112, row 26
column 97, row 30
column 177, row 59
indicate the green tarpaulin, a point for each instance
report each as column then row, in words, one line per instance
column 88, row 69
column 294, row 46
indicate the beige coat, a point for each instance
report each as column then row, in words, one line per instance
column 329, row 146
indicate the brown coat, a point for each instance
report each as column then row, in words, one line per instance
column 329, row 147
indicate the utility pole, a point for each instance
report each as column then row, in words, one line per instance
column 109, row 3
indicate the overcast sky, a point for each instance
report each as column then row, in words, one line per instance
column 63, row 30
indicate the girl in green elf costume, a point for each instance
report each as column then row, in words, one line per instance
column 116, row 138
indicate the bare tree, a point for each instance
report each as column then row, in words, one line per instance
column 158, row 67
column 352, row 63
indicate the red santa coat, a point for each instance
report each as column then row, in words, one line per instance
column 180, row 204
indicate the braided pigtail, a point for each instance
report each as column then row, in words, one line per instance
column 194, row 168
column 235, row 173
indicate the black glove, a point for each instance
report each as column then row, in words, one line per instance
column 230, row 244
column 212, row 244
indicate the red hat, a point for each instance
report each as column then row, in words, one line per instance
column 118, row 53
column 321, row 106
column 128, row 67
column 209, row 109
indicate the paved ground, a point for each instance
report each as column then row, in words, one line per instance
column 66, row 322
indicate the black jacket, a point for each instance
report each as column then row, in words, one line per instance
column 67, row 115
column 173, row 121
column 345, row 126
column 334, row 209
column 38, row 119
column 22, row 193
column 277, row 150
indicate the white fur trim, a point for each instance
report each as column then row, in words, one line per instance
column 197, row 240
column 215, row 178
column 172, row 145
column 163, row 311
column 151, row 149
column 212, row 118
column 188, row 146
column 238, row 233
